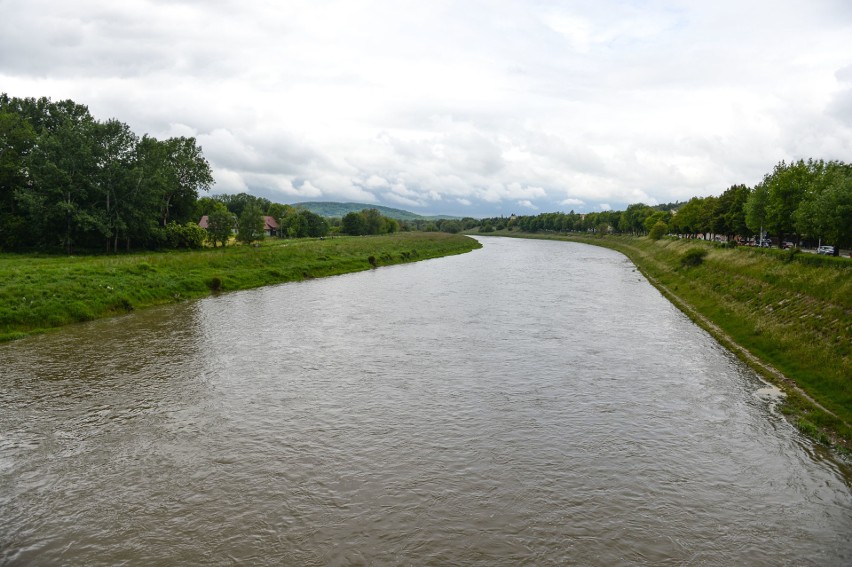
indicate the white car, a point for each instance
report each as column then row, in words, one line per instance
column 827, row 250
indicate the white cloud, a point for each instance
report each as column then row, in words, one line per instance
column 551, row 104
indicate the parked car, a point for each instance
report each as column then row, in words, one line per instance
column 788, row 245
column 827, row 250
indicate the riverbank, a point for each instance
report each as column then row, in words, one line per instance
column 40, row 293
column 789, row 318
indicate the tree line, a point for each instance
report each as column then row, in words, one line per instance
column 803, row 201
column 70, row 181
column 243, row 214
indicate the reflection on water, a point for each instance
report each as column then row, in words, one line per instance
column 527, row 403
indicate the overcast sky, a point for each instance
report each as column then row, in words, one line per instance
column 465, row 107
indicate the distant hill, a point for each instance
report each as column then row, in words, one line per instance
column 332, row 209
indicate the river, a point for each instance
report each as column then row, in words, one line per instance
column 528, row 403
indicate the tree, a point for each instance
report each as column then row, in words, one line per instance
column 312, row 224
column 206, row 205
column 687, row 219
column 62, row 168
column 17, row 139
column 220, row 225
column 115, row 147
column 186, row 171
column 373, row 221
column 391, row 226
column 732, row 210
column 786, row 187
column 708, row 220
column 251, row 225
column 659, row 216
column 353, row 224
column 451, row 226
column 633, row 219
column 755, row 209
column 278, row 212
column 290, row 223
column 658, row 230
column 826, row 211
column 237, row 203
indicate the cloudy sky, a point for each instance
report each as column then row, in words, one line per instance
column 467, row 107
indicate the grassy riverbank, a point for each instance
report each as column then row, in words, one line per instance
column 789, row 311
column 44, row 292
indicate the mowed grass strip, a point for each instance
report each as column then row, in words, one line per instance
column 39, row 293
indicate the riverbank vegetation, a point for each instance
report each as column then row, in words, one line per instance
column 790, row 310
column 804, row 203
column 72, row 182
column 41, row 292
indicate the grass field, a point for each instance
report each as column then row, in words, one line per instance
column 790, row 310
column 38, row 293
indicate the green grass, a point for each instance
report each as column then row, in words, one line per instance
column 790, row 310
column 38, row 293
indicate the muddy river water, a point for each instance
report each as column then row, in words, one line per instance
column 529, row 403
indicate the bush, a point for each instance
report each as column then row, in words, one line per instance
column 791, row 253
column 188, row 235
column 693, row 257
column 658, row 230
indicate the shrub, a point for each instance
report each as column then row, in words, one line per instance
column 693, row 257
column 658, row 230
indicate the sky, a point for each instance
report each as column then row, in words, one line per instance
column 467, row 108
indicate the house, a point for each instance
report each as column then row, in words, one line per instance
column 270, row 225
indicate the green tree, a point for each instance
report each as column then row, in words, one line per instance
column 687, row 219
column 826, row 211
column 312, row 225
column 220, row 225
column 708, row 219
column 732, row 210
column 452, row 226
column 62, row 168
column 186, row 172
column 115, row 152
column 353, row 224
column 633, row 219
column 17, row 139
column 251, row 225
column 206, row 205
column 658, row 230
column 755, row 209
column 373, row 221
column 658, row 216
column 786, row 187
column 290, row 223
column 391, row 226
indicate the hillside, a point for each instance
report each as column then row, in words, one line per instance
column 332, row 209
